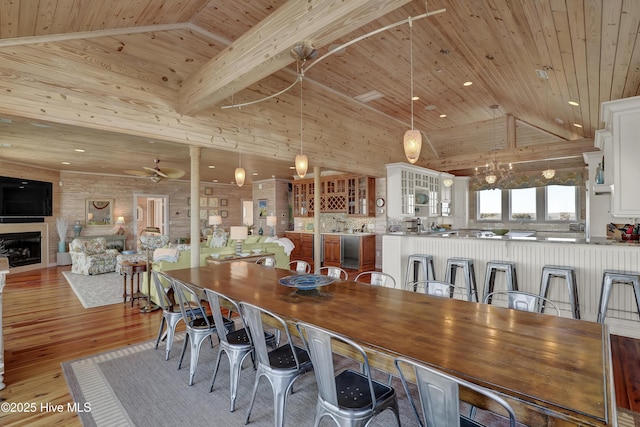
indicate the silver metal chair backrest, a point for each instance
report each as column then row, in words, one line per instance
column 439, row 395
column 216, row 310
column 335, row 272
column 377, row 278
column 267, row 261
column 524, row 301
column 186, row 298
column 318, row 344
column 158, row 278
column 300, row 266
column 252, row 317
column 434, row 288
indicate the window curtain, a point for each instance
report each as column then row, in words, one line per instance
column 522, row 180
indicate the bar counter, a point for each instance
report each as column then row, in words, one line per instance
column 589, row 259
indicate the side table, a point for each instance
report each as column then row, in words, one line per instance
column 132, row 268
column 229, row 258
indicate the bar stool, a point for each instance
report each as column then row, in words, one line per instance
column 508, row 267
column 425, row 264
column 611, row 277
column 469, row 275
column 569, row 276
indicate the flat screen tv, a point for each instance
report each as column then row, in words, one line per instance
column 25, row 197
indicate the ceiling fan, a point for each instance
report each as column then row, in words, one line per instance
column 156, row 174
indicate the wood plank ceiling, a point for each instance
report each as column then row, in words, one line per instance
column 128, row 82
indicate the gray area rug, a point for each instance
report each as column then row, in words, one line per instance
column 135, row 386
column 98, row 290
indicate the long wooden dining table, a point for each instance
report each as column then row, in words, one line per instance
column 553, row 371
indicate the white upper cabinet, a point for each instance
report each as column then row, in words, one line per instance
column 415, row 191
column 622, row 129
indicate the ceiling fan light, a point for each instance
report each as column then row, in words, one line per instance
column 240, row 175
column 302, row 164
column 549, row 173
column 412, row 145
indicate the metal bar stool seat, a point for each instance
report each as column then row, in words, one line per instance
column 611, row 277
column 569, row 276
column 469, row 275
column 419, row 263
column 493, row 267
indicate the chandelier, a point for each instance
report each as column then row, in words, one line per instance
column 494, row 173
column 548, row 173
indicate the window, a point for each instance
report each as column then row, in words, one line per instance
column 490, row 205
column 551, row 203
column 561, row 203
column 522, row 204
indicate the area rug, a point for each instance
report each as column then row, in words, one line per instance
column 135, row 386
column 98, row 290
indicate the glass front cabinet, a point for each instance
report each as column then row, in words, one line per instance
column 416, row 191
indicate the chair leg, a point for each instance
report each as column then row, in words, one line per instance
column 253, row 395
column 215, row 370
column 162, row 323
column 184, row 349
column 195, row 354
column 235, row 367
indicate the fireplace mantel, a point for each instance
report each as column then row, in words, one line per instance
column 41, row 227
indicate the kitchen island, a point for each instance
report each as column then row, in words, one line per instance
column 590, row 259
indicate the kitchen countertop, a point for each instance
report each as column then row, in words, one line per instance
column 335, row 233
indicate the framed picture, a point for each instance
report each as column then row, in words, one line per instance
column 262, row 208
column 203, row 202
column 203, row 214
column 224, row 214
column 213, row 202
column 223, row 202
column 188, row 201
column 208, row 191
column 213, row 212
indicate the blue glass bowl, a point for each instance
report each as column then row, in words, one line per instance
column 306, row 282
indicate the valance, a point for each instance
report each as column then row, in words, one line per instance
column 528, row 180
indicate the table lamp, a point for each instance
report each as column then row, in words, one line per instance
column 272, row 221
column 215, row 220
column 238, row 233
column 120, row 222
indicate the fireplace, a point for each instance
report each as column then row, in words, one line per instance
column 21, row 248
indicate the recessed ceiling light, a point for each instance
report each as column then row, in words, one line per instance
column 415, row 98
column 151, row 142
column 215, row 180
column 79, row 150
column 254, row 173
column 467, row 83
column 443, row 115
column 292, row 167
column 66, row 163
column 430, row 107
column 577, row 125
column 369, row 96
column 211, row 167
column 574, row 103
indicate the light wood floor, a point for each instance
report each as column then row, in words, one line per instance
column 45, row 324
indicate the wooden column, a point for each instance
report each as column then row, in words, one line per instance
column 195, row 201
column 317, row 237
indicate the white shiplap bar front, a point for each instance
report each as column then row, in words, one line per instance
column 589, row 261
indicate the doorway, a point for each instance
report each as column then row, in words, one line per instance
column 150, row 210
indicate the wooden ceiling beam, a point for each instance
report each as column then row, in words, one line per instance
column 265, row 48
column 535, row 152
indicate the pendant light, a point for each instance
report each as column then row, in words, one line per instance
column 412, row 138
column 240, row 174
column 302, row 163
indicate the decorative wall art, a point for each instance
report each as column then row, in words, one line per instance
column 262, row 208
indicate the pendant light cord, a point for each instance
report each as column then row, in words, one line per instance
column 411, row 64
column 301, row 113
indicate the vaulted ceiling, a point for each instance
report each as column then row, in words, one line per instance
column 129, row 82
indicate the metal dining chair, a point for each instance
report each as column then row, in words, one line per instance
column 524, row 301
column 237, row 344
column 350, row 398
column 335, row 272
column 376, row 278
column 281, row 366
column 267, row 261
column 300, row 266
column 439, row 396
column 199, row 326
column 171, row 314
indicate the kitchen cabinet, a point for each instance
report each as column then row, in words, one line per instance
column 303, row 246
column 350, row 194
column 622, row 127
column 331, row 247
column 415, row 191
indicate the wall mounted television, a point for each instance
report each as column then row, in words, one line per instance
column 25, row 198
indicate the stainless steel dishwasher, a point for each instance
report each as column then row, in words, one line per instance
column 350, row 252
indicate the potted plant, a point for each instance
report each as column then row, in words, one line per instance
column 62, row 225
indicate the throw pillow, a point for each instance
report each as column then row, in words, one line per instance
column 218, row 240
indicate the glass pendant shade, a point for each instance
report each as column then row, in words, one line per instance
column 240, row 175
column 412, row 145
column 302, row 164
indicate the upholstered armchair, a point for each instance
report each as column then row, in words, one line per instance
column 91, row 256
